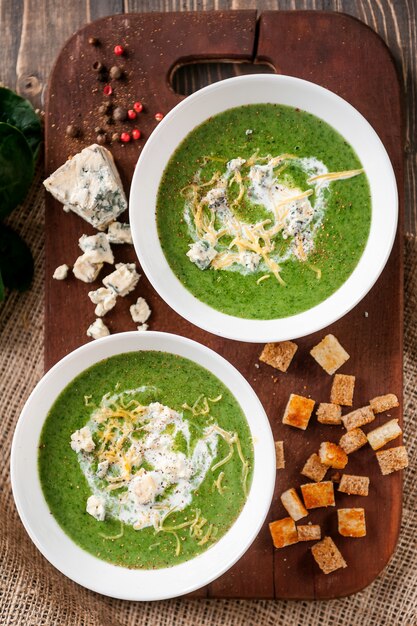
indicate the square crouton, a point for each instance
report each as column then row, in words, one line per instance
column 332, row 455
column 354, row 485
column 342, row 389
column 283, row 532
column 314, row 469
column 293, row 505
column 309, row 532
column 329, row 354
column 384, row 403
column 316, row 495
column 351, row 522
column 328, row 413
column 385, row 433
column 279, row 454
column 298, row 411
column 358, row 418
column 392, row 460
column 279, row 355
column 353, row 440
column 328, row 556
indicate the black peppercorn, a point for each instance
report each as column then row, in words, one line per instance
column 116, row 72
column 119, row 114
column 72, row 131
column 97, row 66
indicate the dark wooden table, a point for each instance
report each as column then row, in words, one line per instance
column 33, row 31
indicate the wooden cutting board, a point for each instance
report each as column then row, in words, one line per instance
column 337, row 52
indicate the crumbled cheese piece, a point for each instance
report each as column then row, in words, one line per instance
column 143, row 327
column 89, row 184
column 143, row 488
column 235, row 164
column 123, row 280
column 61, row 272
column 96, row 506
column 140, row 311
column 201, row 253
column 102, row 468
column 85, row 270
column 97, row 329
column 250, row 260
column 119, row 233
column 97, row 248
column 82, row 440
column 248, row 131
column 104, row 298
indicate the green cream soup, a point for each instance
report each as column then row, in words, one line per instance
column 145, row 459
column 263, row 211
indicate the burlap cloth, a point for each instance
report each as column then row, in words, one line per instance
column 32, row 592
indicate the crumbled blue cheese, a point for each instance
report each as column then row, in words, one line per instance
column 89, row 184
column 97, row 329
column 123, row 280
column 235, row 164
column 102, row 468
column 104, row 298
column 250, row 260
column 82, row 441
column 143, row 488
column 140, row 311
column 61, row 272
column 201, row 253
column 96, row 506
column 143, row 327
column 119, row 233
column 97, row 248
column 85, row 270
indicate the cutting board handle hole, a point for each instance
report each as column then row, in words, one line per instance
column 185, row 78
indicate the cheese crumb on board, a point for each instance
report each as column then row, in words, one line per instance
column 140, row 311
column 96, row 248
column 97, row 329
column 96, row 506
column 279, row 355
column 85, row 270
column 123, row 280
column 119, row 233
column 61, row 272
column 143, row 327
column 329, row 354
column 104, row 298
column 327, row 556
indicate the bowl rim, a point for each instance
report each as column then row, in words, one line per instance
column 81, row 566
column 176, row 295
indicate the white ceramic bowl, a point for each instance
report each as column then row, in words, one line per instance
column 82, row 567
column 256, row 89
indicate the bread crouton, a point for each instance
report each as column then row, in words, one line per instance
column 342, row 389
column 327, row 555
column 279, row 455
column 392, row 460
column 384, row 403
column 358, row 418
column 351, row 522
column 329, row 354
column 354, row 485
column 317, row 495
column 293, row 505
column 314, row 469
column 385, row 433
column 279, row 355
column 298, row 411
column 309, row 532
column 332, row 455
column 328, row 413
column 283, row 532
column 353, row 440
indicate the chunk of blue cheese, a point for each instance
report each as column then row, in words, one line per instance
column 97, row 247
column 97, row 329
column 119, row 233
column 89, row 184
column 123, row 280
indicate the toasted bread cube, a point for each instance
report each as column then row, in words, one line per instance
column 392, row 460
column 314, row 469
column 316, row 495
column 385, row 433
column 353, row 440
column 298, row 411
column 342, row 389
column 283, row 532
column 279, row 355
column 384, row 403
column 309, row 532
column 328, row 413
column 332, row 455
column 293, row 505
column 329, row 354
column 327, row 555
column 351, row 522
column 358, row 418
column 354, row 485
column 279, row 454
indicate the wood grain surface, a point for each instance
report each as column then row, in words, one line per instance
column 351, row 60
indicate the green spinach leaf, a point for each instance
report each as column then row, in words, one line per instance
column 17, row 111
column 16, row 168
column 16, row 263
